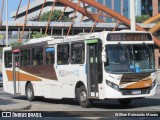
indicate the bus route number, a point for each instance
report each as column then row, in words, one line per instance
column 129, row 37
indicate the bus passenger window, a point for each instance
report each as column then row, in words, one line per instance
column 25, row 57
column 37, row 56
column 50, row 55
column 77, row 53
column 8, row 59
column 63, row 54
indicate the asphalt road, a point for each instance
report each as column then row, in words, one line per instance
column 146, row 104
column 70, row 106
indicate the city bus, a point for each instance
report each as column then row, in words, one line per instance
column 91, row 66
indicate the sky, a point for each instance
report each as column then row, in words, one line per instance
column 12, row 6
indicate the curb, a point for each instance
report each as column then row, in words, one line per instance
column 17, row 106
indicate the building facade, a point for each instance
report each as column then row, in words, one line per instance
column 148, row 7
column 142, row 7
column 35, row 7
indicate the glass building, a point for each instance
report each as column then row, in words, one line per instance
column 148, row 7
column 120, row 6
column 142, row 7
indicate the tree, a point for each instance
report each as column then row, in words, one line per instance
column 142, row 18
column 55, row 16
column 38, row 35
column 16, row 44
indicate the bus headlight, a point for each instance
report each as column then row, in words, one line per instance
column 153, row 84
column 114, row 86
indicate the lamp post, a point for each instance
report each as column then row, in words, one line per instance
column 132, row 15
column 7, row 23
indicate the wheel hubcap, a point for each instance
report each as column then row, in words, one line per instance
column 83, row 96
column 29, row 92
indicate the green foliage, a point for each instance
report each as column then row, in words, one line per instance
column 38, row 35
column 55, row 16
column 142, row 18
column 16, row 44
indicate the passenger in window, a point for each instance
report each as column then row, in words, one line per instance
column 59, row 57
column 50, row 58
column 35, row 62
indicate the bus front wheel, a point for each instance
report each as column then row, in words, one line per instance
column 82, row 97
column 30, row 92
column 124, row 102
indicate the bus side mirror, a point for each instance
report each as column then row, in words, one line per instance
column 104, row 57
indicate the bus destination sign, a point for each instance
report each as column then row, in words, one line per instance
column 129, row 37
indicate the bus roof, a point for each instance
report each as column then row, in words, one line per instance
column 79, row 37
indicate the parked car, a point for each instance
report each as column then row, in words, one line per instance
column 1, row 79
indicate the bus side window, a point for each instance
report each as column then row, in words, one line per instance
column 77, row 53
column 8, row 59
column 37, row 56
column 25, row 57
column 50, row 52
column 63, row 54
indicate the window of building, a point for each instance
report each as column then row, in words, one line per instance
column 109, row 5
column 77, row 53
column 147, row 7
column 125, row 8
column 63, row 54
column 93, row 9
column 37, row 56
column 117, row 6
column 8, row 59
column 50, row 52
column 25, row 57
column 100, row 1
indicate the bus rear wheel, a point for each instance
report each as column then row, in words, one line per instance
column 30, row 92
column 124, row 102
column 82, row 97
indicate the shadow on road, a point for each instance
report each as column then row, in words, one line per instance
column 104, row 104
column 7, row 101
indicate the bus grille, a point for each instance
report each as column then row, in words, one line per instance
column 131, row 92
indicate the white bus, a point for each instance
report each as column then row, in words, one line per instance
column 103, row 65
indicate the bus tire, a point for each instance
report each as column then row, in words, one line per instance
column 82, row 97
column 30, row 92
column 124, row 102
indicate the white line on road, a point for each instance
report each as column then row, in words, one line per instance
column 155, row 108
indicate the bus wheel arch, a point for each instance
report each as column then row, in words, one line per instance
column 29, row 91
column 81, row 94
column 78, row 85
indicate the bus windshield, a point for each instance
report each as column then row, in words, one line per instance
column 129, row 58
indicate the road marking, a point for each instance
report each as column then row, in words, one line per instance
column 155, row 108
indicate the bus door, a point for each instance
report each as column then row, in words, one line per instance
column 16, row 62
column 94, row 71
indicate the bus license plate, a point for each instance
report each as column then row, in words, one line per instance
column 136, row 92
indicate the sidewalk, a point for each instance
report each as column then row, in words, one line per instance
column 7, row 104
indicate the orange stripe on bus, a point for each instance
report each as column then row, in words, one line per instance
column 21, row 76
column 140, row 84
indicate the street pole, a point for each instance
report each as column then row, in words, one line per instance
column 6, row 23
column 132, row 15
